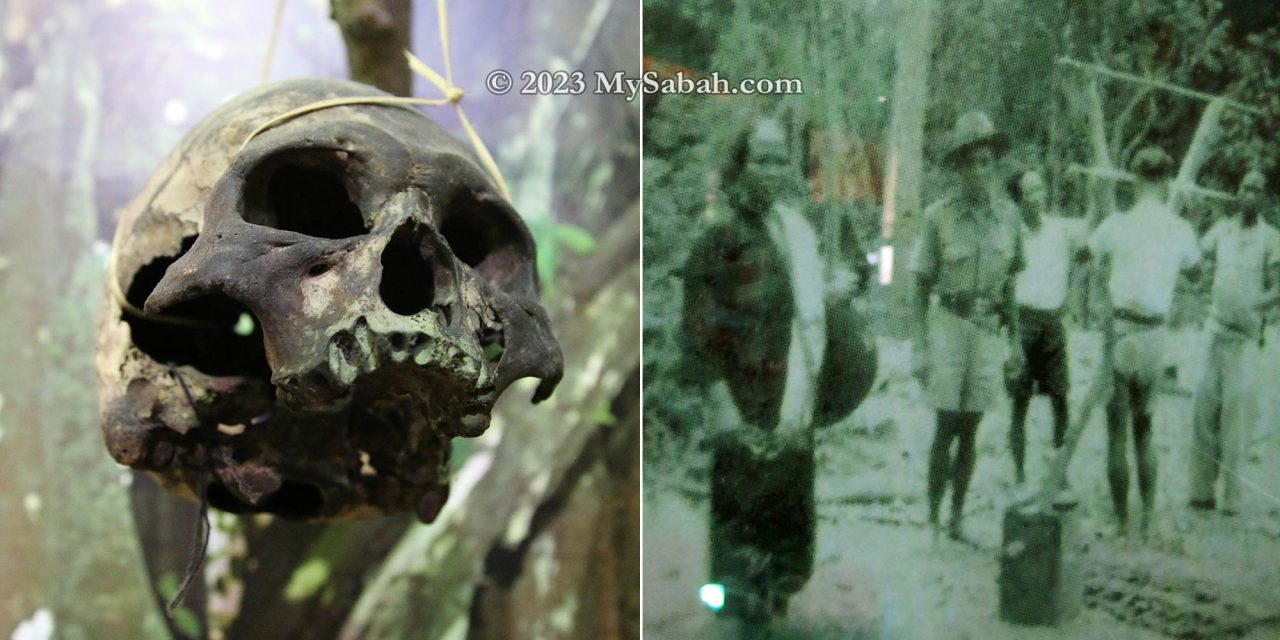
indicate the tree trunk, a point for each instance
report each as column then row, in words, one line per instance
column 904, row 178
column 573, row 576
column 69, row 546
column 278, row 599
column 377, row 33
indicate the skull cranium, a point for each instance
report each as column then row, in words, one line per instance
column 308, row 320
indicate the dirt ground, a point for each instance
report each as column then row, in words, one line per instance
column 881, row 573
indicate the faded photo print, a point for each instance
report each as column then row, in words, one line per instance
column 961, row 319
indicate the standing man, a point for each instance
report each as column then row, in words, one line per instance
column 1050, row 244
column 1142, row 251
column 754, row 314
column 1245, row 253
column 969, row 251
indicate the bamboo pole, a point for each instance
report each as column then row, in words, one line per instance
column 1111, row 173
column 1098, row 396
column 1159, row 84
column 1198, row 152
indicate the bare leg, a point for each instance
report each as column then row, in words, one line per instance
column 1059, row 403
column 1018, row 434
column 939, row 462
column 1146, row 455
column 1117, row 462
column 966, row 428
column 1238, row 413
column 1205, row 450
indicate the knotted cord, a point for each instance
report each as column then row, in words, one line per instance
column 201, row 545
column 452, row 96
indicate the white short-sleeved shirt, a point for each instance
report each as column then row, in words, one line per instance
column 1148, row 246
column 1243, row 256
column 1047, row 254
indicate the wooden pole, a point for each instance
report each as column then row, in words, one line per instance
column 1111, row 173
column 377, row 33
column 1159, row 84
column 904, row 169
column 1098, row 395
column 1197, row 153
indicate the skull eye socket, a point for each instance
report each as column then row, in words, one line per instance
column 213, row 333
column 307, row 193
column 485, row 237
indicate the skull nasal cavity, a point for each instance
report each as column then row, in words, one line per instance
column 309, row 200
column 408, row 279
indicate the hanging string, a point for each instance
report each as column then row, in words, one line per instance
column 271, row 43
column 113, row 284
column 452, row 96
column 201, row 545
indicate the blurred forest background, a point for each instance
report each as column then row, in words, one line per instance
column 884, row 81
column 540, row 538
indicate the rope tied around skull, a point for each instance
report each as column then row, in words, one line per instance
column 453, row 95
column 208, row 467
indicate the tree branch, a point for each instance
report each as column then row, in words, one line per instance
column 425, row 587
column 377, row 33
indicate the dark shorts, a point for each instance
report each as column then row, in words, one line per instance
column 757, row 391
column 762, row 527
column 1044, row 346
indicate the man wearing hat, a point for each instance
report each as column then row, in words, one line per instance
column 968, row 254
column 1245, row 254
column 1142, row 251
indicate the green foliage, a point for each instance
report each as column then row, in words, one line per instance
column 604, row 415
column 307, row 579
column 187, row 622
column 462, row 448
column 167, row 585
column 1000, row 55
column 99, row 570
column 553, row 239
column 683, row 33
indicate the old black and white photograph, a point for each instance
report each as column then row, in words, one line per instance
column 970, row 331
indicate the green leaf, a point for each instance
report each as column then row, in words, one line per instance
column 187, row 622
column 575, row 239
column 462, row 448
column 552, row 239
column 493, row 351
column 604, row 415
column 307, row 579
column 244, row 325
column 167, row 585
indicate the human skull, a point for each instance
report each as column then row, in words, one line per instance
column 301, row 325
